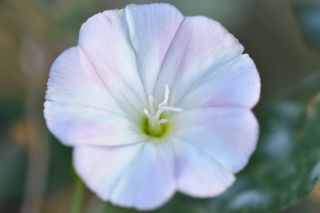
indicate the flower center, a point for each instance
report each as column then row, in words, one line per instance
column 156, row 123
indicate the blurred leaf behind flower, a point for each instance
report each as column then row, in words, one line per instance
column 308, row 15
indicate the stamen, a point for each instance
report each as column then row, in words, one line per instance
column 162, row 107
column 173, row 109
column 166, row 96
column 150, row 100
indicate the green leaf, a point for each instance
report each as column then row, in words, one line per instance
column 12, row 172
column 308, row 15
column 59, row 174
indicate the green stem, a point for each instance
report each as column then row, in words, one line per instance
column 78, row 196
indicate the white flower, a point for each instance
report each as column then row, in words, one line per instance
column 153, row 103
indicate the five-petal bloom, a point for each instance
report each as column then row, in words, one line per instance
column 152, row 103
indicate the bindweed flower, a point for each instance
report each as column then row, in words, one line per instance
column 153, row 103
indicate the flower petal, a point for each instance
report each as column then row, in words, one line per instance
column 227, row 134
column 105, row 42
column 199, row 174
column 73, row 81
column 139, row 176
column 200, row 46
column 77, row 101
column 151, row 28
column 237, row 84
column 78, row 125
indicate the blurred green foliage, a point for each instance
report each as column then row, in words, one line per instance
column 309, row 18
column 12, row 165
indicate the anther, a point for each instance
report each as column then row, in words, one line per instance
column 150, row 98
column 146, row 113
column 163, row 121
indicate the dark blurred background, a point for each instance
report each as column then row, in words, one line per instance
column 282, row 37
